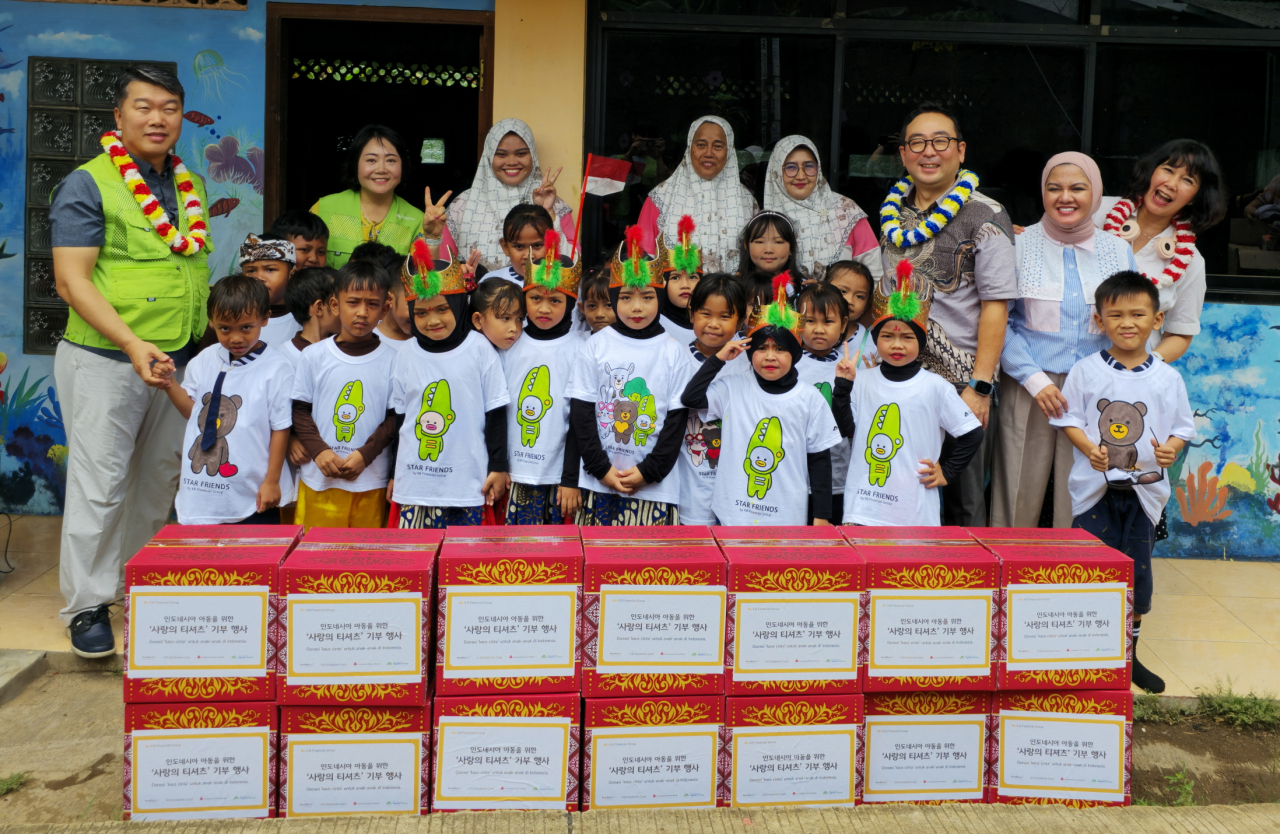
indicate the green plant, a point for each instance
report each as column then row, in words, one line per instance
column 1248, row 712
column 12, row 782
column 1152, row 709
column 1182, row 787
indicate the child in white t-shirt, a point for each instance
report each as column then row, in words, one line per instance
column 854, row 282
column 825, row 316
column 271, row 261
column 543, row 452
column 497, row 313
column 625, row 409
column 718, row 308
column 780, row 429
column 341, row 408
column 235, row 397
column 524, row 232
column 1128, row 416
column 682, row 270
column 449, row 397
column 393, row 327
column 896, row 413
column 595, row 310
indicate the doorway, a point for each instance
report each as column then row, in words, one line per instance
column 333, row 69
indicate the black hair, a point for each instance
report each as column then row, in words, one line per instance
column 522, row 215
column 1122, row 285
column 361, row 275
column 929, row 107
column 756, row 227
column 298, row 223
column 148, row 74
column 239, row 295
column 1209, row 206
column 724, row 285
column 351, row 162
column 596, row 285
column 856, row 267
column 499, row 295
column 384, row 256
column 306, row 287
column 824, row 298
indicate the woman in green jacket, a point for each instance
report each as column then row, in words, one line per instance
column 369, row 208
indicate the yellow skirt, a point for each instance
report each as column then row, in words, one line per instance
column 338, row 508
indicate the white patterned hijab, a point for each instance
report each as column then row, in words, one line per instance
column 822, row 221
column 488, row 200
column 720, row 207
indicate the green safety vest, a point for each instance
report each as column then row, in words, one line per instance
column 159, row 294
column 341, row 213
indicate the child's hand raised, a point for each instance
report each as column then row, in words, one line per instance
column 545, row 194
column 434, row 215
column 846, row 368
column 733, row 349
column 1098, row 458
column 1165, row 455
column 931, row 474
column 330, row 464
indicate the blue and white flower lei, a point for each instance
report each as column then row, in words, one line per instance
column 948, row 207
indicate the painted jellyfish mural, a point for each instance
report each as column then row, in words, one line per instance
column 213, row 73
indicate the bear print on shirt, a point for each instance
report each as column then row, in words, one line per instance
column 216, row 460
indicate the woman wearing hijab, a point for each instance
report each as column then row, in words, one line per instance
column 704, row 186
column 508, row 174
column 1061, row 261
column 829, row 227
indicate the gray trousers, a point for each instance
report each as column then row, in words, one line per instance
column 123, row 448
column 1028, row 450
column 964, row 501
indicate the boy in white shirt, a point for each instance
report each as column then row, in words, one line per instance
column 235, row 397
column 272, row 262
column 1128, row 416
column 394, row 326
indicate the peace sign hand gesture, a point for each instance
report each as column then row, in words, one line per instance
column 846, row 368
column 434, row 214
column 545, row 194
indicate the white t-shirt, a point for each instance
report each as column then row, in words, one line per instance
column 870, row 356
column 289, row 473
column 220, row 486
column 764, row 476
column 821, row 374
column 1136, row 407
column 280, row 330
column 897, row 424
column 507, row 273
column 633, row 383
column 538, row 414
column 395, row 344
column 700, row 453
column 442, row 460
column 349, row 398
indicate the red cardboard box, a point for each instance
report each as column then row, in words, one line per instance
column 200, row 623
column 357, row 619
column 521, row 534
column 1067, row 617
column 929, row 747
column 227, row 535
column 354, row 761
column 513, row 752
column 859, row 536
column 993, row 536
column 654, row 753
column 687, row 534
column 796, row 750
column 207, row 761
column 794, row 621
column 934, row 618
column 653, row 625
column 737, row 536
column 1064, row 748
column 508, row 612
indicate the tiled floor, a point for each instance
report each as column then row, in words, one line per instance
column 1212, row 620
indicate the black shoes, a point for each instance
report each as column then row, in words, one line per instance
column 90, row 633
column 1145, row 678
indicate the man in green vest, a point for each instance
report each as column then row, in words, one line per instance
column 135, row 273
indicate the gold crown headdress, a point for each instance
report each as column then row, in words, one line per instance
column 424, row 277
column 777, row 313
column 905, row 303
column 554, row 271
column 684, row 256
column 631, row 267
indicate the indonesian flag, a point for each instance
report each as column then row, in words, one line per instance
column 606, row 175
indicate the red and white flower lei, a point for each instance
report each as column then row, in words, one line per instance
column 1179, row 248
column 197, row 237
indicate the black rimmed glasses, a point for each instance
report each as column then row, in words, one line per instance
column 792, row 169
column 940, row 143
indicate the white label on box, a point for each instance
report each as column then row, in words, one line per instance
column 354, row 638
column 795, row 637
column 1067, row 626
column 198, row 631
column 654, row 767
column 661, row 628
column 800, row 765
column 1062, row 755
column 918, row 633
column 354, row 773
column 923, row 757
column 511, row 631
column 200, row 774
column 487, row 763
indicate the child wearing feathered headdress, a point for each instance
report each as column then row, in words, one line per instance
column 450, row 399
column 776, row 433
column 625, row 400
column 896, row 414
column 681, row 273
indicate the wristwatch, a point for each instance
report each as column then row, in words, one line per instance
column 982, row 387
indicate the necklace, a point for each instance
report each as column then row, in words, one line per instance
column 948, row 207
column 197, row 237
column 1122, row 222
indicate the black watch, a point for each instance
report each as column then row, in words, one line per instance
column 982, row 387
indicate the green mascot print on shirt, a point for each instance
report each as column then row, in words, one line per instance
column 646, row 420
column 824, row 388
column 347, row 410
column 535, row 400
column 764, row 453
column 883, row 442
column 434, row 420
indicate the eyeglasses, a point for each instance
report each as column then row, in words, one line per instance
column 940, row 143
column 793, row 168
